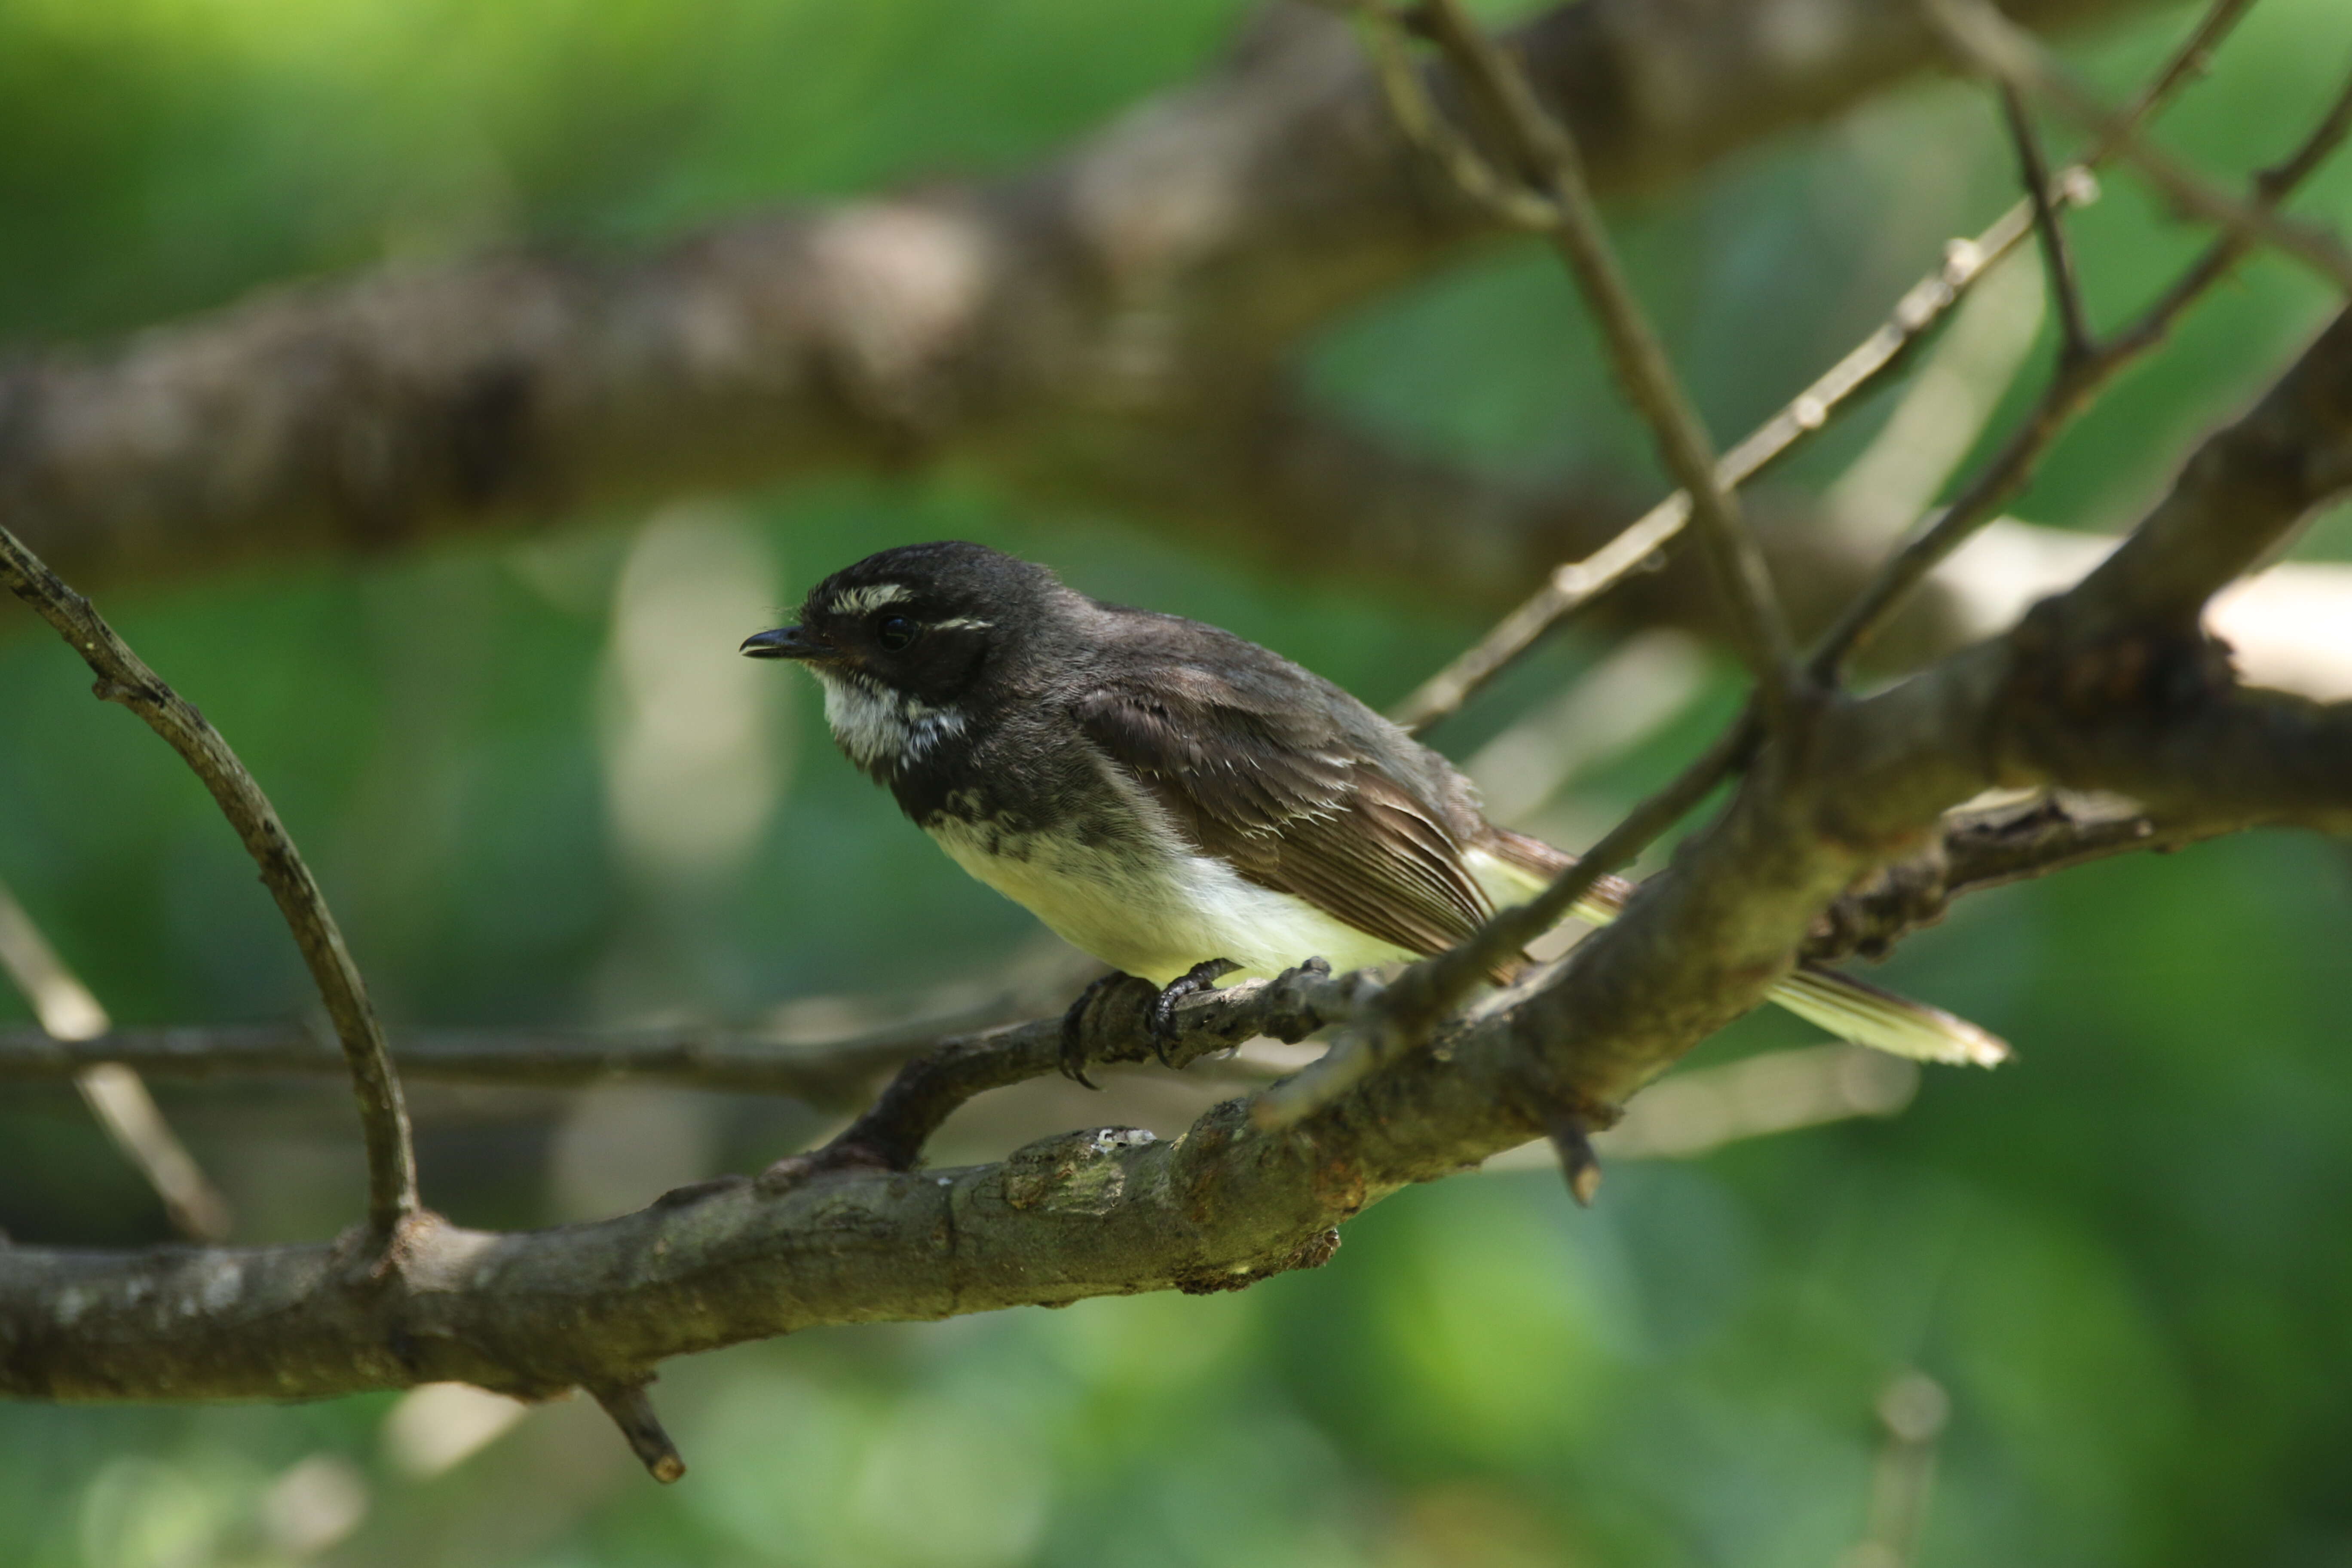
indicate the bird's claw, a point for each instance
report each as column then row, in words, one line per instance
column 1192, row 982
column 1074, row 1028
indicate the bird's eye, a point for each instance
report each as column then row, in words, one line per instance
column 896, row 633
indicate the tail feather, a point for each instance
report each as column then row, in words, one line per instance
column 1858, row 1011
column 1852, row 1010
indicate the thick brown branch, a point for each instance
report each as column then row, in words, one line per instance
column 1061, row 329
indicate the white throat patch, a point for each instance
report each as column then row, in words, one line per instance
column 876, row 725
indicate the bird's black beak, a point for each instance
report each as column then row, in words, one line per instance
column 785, row 642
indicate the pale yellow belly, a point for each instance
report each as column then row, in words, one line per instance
column 1158, row 916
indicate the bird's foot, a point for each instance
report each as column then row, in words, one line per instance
column 1076, row 1022
column 1192, row 982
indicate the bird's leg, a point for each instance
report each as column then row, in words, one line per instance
column 1075, row 1025
column 1192, row 982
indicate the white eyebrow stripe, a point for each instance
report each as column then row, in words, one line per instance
column 861, row 600
column 963, row 622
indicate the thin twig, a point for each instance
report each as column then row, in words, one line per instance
column 1419, row 118
column 834, row 1068
column 1571, row 1143
column 2192, row 59
column 1922, row 308
column 124, row 678
column 2070, row 390
column 834, row 1074
column 633, row 1412
column 1916, row 314
column 2075, row 341
column 1548, row 151
column 2008, row 52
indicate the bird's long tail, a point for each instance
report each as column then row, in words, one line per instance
column 1849, row 1009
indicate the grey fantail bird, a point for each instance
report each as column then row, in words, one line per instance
column 1183, row 805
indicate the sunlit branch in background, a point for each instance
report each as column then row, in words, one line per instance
column 1913, row 1410
column 69, row 1014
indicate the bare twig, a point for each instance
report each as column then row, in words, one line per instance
column 124, row 678
column 1575, row 584
column 1547, row 151
column 2192, row 59
column 2000, row 48
column 1419, row 118
column 2070, row 390
column 829, row 1051
column 2075, row 341
column 832, row 1074
column 69, row 1016
column 1922, row 308
column 632, row 1411
column 1570, row 585
column 1572, row 1142
column 118, row 1097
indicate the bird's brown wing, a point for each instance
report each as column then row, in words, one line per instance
column 1270, row 785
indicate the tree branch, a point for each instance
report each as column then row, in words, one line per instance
column 1069, row 330
column 2079, row 380
column 1982, row 36
column 1576, row 583
column 1547, row 151
column 124, row 678
column 2059, row 701
column 1923, row 308
column 70, row 1014
column 2075, row 340
column 836, row 1075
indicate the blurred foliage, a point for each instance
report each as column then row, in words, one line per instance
column 2123, row 1258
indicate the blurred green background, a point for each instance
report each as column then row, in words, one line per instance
column 540, row 786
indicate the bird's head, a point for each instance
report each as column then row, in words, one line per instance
column 900, row 639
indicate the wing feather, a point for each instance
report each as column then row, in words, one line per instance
column 1269, row 784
